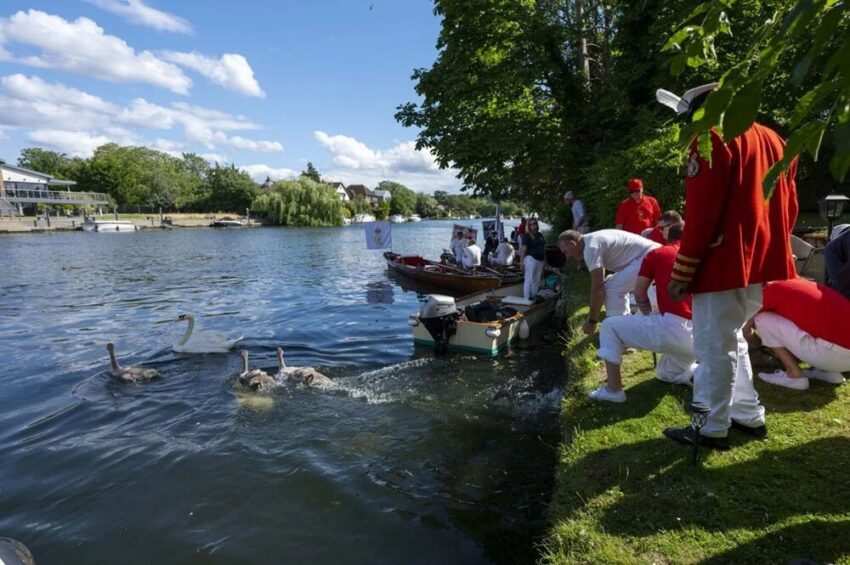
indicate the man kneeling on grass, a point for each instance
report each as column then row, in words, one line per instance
column 804, row 320
column 668, row 332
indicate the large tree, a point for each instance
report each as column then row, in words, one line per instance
column 45, row 161
column 402, row 201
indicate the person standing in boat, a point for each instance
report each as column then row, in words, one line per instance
column 471, row 255
column 532, row 252
column 490, row 245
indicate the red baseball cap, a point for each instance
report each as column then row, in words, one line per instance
column 634, row 185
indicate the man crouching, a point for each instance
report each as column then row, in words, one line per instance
column 668, row 332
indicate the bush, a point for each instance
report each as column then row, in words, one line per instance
column 658, row 161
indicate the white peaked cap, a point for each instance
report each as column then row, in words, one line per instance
column 680, row 104
column 568, row 195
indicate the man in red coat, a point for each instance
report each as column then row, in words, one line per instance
column 734, row 241
column 637, row 212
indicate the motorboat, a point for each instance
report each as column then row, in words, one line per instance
column 226, row 223
column 109, row 226
column 414, row 218
column 362, row 218
column 449, row 277
column 484, row 322
column 397, row 219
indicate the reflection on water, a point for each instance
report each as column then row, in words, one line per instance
column 405, row 458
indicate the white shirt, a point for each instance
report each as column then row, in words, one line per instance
column 579, row 212
column 505, row 253
column 614, row 249
column 458, row 245
column 472, row 256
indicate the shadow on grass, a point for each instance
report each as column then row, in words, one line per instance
column 796, row 538
column 656, row 489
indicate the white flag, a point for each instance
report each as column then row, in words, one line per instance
column 379, row 235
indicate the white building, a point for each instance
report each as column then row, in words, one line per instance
column 21, row 188
column 340, row 190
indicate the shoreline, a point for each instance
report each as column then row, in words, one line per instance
column 65, row 225
column 625, row 494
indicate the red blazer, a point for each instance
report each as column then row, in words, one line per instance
column 734, row 237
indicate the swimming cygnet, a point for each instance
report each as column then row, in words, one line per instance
column 256, row 379
column 307, row 375
column 129, row 374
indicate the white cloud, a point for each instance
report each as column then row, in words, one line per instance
column 232, row 71
column 73, row 143
column 82, row 47
column 358, row 163
column 215, row 157
column 137, row 12
column 34, row 103
column 259, row 172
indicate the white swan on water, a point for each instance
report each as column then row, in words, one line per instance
column 307, row 375
column 256, row 379
column 129, row 374
column 202, row 341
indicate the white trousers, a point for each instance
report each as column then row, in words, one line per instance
column 776, row 331
column 533, row 274
column 724, row 379
column 662, row 333
column 618, row 286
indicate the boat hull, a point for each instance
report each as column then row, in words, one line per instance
column 109, row 226
column 473, row 336
column 439, row 275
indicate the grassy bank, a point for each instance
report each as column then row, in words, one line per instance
column 625, row 494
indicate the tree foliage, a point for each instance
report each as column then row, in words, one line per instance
column 403, row 199
column 530, row 98
column 301, row 202
column 311, row 173
column 806, row 43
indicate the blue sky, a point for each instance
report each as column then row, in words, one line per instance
column 268, row 85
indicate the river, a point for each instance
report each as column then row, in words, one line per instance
column 403, row 460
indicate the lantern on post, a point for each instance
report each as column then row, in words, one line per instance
column 830, row 208
column 699, row 414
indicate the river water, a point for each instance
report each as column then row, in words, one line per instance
column 403, row 460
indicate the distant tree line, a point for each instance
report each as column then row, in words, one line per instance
column 139, row 176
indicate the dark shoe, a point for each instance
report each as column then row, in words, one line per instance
column 758, row 431
column 685, row 436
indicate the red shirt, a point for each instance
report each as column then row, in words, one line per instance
column 734, row 237
column 637, row 216
column 520, row 231
column 656, row 236
column 658, row 266
column 814, row 308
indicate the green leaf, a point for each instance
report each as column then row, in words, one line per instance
column 742, row 110
column 809, row 101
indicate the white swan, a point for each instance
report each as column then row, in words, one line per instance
column 202, row 341
column 307, row 375
column 256, row 379
column 129, row 374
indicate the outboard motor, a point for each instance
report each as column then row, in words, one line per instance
column 439, row 315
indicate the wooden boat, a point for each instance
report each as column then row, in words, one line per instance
column 443, row 275
column 488, row 337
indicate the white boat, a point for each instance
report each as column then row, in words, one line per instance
column 414, row 218
column 226, row 223
column 362, row 218
column 441, row 315
column 397, row 219
column 108, row 226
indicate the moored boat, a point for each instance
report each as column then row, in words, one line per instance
column 443, row 275
column 362, row 218
column 108, row 226
column 483, row 322
column 414, row 218
column 226, row 223
column 397, row 219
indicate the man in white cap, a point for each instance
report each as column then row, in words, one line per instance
column 580, row 223
column 734, row 242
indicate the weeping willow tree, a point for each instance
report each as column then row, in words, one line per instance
column 300, row 202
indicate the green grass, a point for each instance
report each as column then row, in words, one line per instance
column 626, row 494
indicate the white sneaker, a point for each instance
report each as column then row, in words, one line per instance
column 830, row 377
column 779, row 378
column 602, row 393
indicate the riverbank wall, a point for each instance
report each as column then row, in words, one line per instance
column 41, row 225
column 626, row 494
